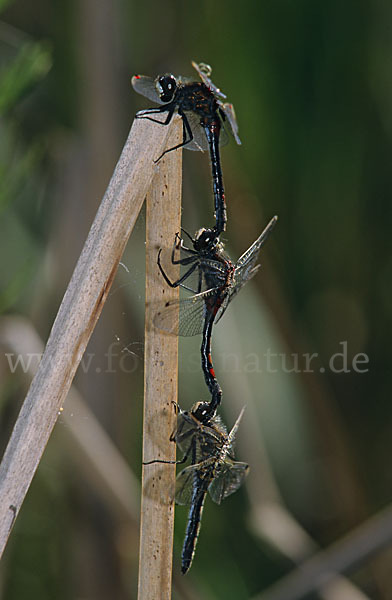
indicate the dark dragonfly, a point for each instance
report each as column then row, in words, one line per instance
column 217, row 281
column 203, row 438
column 202, row 111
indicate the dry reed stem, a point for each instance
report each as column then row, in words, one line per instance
column 97, row 459
column 78, row 314
column 163, row 220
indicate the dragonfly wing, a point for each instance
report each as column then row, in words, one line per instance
column 234, row 429
column 184, row 484
column 184, row 440
column 192, row 312
column 230, row 477
column 204, row 71
column 228, row 110
column 193, row 476
column 243, row 275
column 240, row 278
column 186, row 431
column 190, row 320
column 146, row 87
column 208, row 442
column 249, row 257
column 245, row 267
column 223, row 306
column 206, row 439
column 199, row 141
column 224, row 138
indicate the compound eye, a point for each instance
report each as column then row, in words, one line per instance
column 166, row 86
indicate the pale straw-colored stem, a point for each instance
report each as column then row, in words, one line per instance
column 163, row 220
column 78, row 314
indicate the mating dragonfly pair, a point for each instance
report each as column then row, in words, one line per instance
column 213, row 280
column 204, row 117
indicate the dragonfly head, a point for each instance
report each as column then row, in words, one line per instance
column 166, row 86
column 205, row 240
column 203, row 412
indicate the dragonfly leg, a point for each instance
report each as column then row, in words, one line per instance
column 142, row 114
column 177, row 408
column 189, row 235
column 169, row 462
column 200, row 282
column 186, row 260
column 179, row 281
column 186, row 131
column 179, row 244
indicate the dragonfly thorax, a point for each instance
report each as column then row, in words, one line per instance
column 196, row 97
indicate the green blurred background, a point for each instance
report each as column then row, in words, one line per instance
column 311, row 85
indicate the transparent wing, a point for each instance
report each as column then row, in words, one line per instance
column 228, row 110
column 245, row 267
column 184, row 485
column 186, row 480
column 223, row 137
column 204, row 71
column 249, row 257
column 206, row 441
column 192, row 314
column 199, row 141
column 163, row 496
column 234, row 429
column 230, row 477
column 239, row 281
column 186, row 430
column 146, row 87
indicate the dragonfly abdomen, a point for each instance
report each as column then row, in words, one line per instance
column 212, row 131
column 206, row 362
column 192, row 528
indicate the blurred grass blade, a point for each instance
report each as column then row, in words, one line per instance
column 32, row 62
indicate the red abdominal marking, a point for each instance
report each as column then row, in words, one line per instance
column 210, row 367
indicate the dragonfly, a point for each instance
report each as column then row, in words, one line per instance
column 216, row 280
column 204, row 439
column 203, row 113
